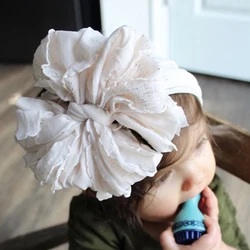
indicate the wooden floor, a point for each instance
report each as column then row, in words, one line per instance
column 25, row 206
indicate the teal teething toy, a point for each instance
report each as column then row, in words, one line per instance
column 188, row 224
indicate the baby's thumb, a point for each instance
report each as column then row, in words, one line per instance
column 167, row 240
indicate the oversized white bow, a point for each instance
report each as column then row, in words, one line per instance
column 78, row 134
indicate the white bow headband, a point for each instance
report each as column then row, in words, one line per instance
column 77, row 134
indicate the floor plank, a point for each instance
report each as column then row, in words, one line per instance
column 25, row 206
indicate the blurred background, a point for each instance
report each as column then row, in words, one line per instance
column 210, row 38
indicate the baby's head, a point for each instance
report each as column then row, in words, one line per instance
column 181, row 174
column 116, row 120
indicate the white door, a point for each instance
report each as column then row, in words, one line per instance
column 148, row 16
column 211, row 36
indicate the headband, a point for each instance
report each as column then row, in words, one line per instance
column 98, row 89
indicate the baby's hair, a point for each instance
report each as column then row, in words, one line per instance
column 123, row 209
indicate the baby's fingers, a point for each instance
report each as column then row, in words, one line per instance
column 209, row 204
column 167, row 240
column 212, row 239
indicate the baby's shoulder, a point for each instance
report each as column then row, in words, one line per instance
column 87, row 227
column 90, row 227
column 86, row 209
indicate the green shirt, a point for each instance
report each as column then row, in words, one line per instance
column 87, row 232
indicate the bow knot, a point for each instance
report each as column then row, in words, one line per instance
column 82, row 112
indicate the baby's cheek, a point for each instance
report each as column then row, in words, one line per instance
column 161, row 205
column 210, row 171
column 158, row 212
column 211, row 161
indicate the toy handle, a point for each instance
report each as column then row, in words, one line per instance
column 188, row 225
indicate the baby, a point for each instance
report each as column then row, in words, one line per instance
column 128, row 129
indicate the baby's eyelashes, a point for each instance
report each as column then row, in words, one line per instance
column 161, row 179
column 164, row 178
column 201, row 143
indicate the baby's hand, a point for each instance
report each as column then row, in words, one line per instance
column 212, row 239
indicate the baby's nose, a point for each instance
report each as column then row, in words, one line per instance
column 192, row 180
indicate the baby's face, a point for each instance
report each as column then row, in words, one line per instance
column 184, row 181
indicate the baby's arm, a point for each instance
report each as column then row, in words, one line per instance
column 215, row 233
column 212, row 239
column 85, row 231
column 226, row 247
